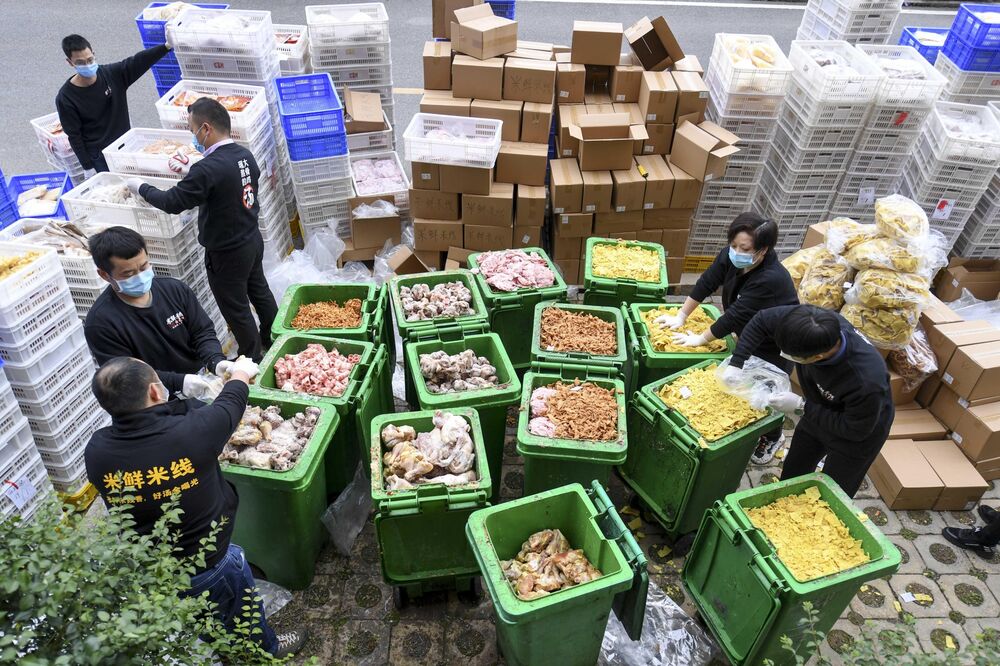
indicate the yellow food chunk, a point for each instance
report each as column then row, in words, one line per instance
column 899, row 217
column 823, row 283
column 880, row 288
column 888, row 329
column 797, row 263
column 708, row 409
column 618, row 260
column 807, row 535
column 882, row 253
column 9, row 265
column 662, row 339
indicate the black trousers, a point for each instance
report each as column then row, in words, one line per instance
column 237, row 280
column 100, row 164
column 846, row 467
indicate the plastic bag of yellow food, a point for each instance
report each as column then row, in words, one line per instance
column 899, row 217
column 797, row 263
column 809, row 538
column 843, row 233
column 12, row 264
column 662, row 338
column 711, row 411
column 882, row 253
column 887, row 329
column 823, row 283
column 620, row 260
column 881, row 288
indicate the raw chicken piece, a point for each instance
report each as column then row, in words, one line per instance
column 315, row 370
column 446, row 454
column 265, row 440
column 547, row 564
column 510, row 270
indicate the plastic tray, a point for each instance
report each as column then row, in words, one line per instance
column 817, row 112
column 748, row 129
column 153, row 32
column 948, row 144
column 808, row 160
column 914, row 92
column 331, row 145
column 65, row 446
column 292, row 43
column 326, row 213
column 52, row 422
column 478, row 147
column 974, row 29
column 793, row 201
column 58, row 180
column 43, row 308
column 752, row 152
column 372, row 142
column 309, row 106
column 961, row 82
column 323, row 192
column 358, row 75
column 401, row 198
column 22, row 283
column 148, row 221
column 928, row 51
column 897, row 118
column 873, row 26
column 740, row 104
column 246, row 124
column 831, row 87
column 749, row 80
column 331, row 25
column 722, row 192
column 971, row 58
column 795, row 180
column 55, row 145
column 354, row 54
column 889, row 143
column 125, row 155
column 59, row 397
column 195, row 32
column 255, row 70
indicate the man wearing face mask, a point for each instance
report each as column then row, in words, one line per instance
column 224, row 186
column 752, row 279
column 847, row 409
column 154, row 451
column 93, row 103
column 158, row 320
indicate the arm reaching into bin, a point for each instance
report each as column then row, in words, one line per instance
column 760, row 328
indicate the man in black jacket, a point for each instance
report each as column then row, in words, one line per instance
column 158, row 320
column 224, row 185
column 155, row 449
column 847, row 410
column 93, row 103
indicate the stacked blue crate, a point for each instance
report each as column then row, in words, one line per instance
column 505, row 8
column 973, row 42
column 8, row 208
column 54, row 180
column 312, row 116
column 167, row 72
column 923, row 41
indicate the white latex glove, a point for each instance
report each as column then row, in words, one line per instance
column 689, row 339
column 732, row 376
column 245, row 365
column 786, row 402
column 673, row 322
column 179, row 163
column 223, row 367
column 133, row 184
column 89, row 173
column 195, row 387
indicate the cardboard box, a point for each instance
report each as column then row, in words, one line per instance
column 605, row 140
column 692, row 97
column 437, row 65
column 425, row 176
column 522, row 163
column 599, row 102
column 625, row 83
column 444, row 105
column 916, row 424
column 989, row 469
column 659, row 181
column 658, row 97
column 372, row 232
column 936, row 313
column 535, row 46
column 434, row 205
column 947, row 407
column 979, row 276
column 443, row 15
column 477, row 32
column 928, row 390
column 362, row 112
column 907, row 406
column 900, row 396
column 568, row 146
column 632, row 109
column 978, row 432
column 963, row 485
column 402, row 261
column 574, row 225
column 459, row 255
column 612, row 224
column 465, row 179
column 675, row 242
column 687, row 189
column 536, row 122
column 598, row 187
column 485, row 237
column 530, row 54
column 527, row 237
column 660, row 141
column 529, row 80
column 653, row 44
column 675, row 269
column 530, row 208
column 570, row 269
column 703, row 150
column 436, row 235
column 477, row 79
column 667, row 218
column 974, row 371
column 815, row 234
column 504, row 110
column 564, row 247
column 904, row 478
column 649, row 235
column 944, row 339
column 431, row 258
column 629, row 190
column 565, row 186
column 570, row 83
column 689, row 63
column 352, row 253
column 596, row 43
column 495, row 209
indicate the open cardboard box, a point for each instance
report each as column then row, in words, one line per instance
column 443, row 15
column 402, row 261
column 481, row 34
column 703, row 150
column 363, row 112
column 606, row 140
column 654, row 44
column 980, row 276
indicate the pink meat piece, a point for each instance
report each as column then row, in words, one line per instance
column 315, row 370
column 540, row 400
column 542, row 427
column 510, row 270
column 378, row 176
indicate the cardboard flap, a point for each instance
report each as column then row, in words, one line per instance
column 603, row 126
column 364, row 109
column 723, row 135
column 725, row 151
column 697, row 136
column 468, row 14
column 638, row 132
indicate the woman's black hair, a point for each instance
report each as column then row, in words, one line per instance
column 807, row 330
column 763, row 230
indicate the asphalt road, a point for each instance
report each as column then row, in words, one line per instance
column 31, row 30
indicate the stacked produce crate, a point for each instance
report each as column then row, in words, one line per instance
column 747, row 78
column 55, row 145
column 21, row 466
column 980, row 238
column 151, row 23
column 8, row 205
column 970, row 55
column 904, row 99
column 854, row 21
column 46, row 361
column 927, row 41
column 293, row 49
column 831, row 92
column 952, row 165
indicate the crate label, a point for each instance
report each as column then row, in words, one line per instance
column 590, row 208
column 558, row 210
column 703, row 94
column 564, row 93
column 619, row 98
column 565, row 219
column 647, row 206
column 619, row 209
column 650, row 117
column 900, row 118
column 647, row 149
column 709, row 176
column 943, row 209
column 525, row 238
column 948, row 379
column 20, row 491
column 963, row 402
column 425, row 176
column 866, row 196
column 954, row 283
column 956, row 438
column 567, row 152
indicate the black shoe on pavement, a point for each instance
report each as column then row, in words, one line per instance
column 290, row 643
column 987, row 513
column 967, row 539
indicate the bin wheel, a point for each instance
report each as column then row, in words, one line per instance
column 400, row 599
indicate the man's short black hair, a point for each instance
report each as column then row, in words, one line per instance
column 807, row 330
column 73, row 43
column 763, row 230
column 208, row 110
column 120, row 242
column 122, row 384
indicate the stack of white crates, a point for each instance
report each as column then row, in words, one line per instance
column 744, row 99
column 954, row 162
column 853, row 21
column 293, row 49
column 831, row 92
column 903, row 102
column 26, row 483
column 55, row 145
column 980, row 238
column 48, row 364
column 967, row 87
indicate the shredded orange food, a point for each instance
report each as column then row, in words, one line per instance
column 327, row 314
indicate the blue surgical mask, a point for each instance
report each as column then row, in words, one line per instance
column 87, row 71
column 198, row 145
column 739, row 259
column 137, row 285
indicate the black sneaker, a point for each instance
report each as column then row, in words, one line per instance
column 967, row 539
column 987, row 513
column 290, row 643
column 766, row 448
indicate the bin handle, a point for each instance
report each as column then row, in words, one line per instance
column 612, row 526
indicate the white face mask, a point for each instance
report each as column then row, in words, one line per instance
column 803, row 360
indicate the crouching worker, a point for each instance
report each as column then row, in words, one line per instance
column 156, row 449
column 847, row 408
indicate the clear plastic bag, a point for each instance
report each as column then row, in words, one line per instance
column 885, row 328
column 345, row 518
column 881, row 288
column 378, row 208
column 274, row 597
column 798, row 263
column 915, row 362
column 843, row 233
column 823, row 283
column 757, row 383
column 900, row 218
column 970, row 308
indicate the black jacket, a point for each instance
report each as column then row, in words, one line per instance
column 224, row 186
column 172, row 448
column 848, row 401
column 93, row 117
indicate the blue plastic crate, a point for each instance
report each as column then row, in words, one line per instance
column 971, row 58
column 166, row 76
column 928, row 51
column 163, row 90
column 155, row 32
column 973, row 30
column 331, row 145
column 504, row 8
column 309, row 106
column 51, row 179
column 8, row 214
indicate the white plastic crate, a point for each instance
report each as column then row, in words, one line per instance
column 353, row 54
column 280, row 243
column 795, row 180
column 818, row 112
column 856, row 184
column 787, row 200
column 54, row 144
column 26, row 280
column 46, row 358
column 58, row 304
column 897, row 118
column 972, row 250
column 938, row 207
column 876, row 163
column 125, row 156
column 860, row 27
column 739, row 104
column 967, row 171
column 847, row 206
column 12, row 427
column 889, row 143
column 80, row 271
column 24, row 463
column 48, row 337
column 358, row 75
column 743, row 173
column 958, row 183
column 63, row 396
column 337, row 24
column 144, row 219
column 324, row 191
column 751, row 152
column 817, row 137
column 247, row 124
column 909, row 91
column 736, row 74
column 401, row 198
column 961, row 82
column 68, row 479
column 808, row 160
column 323, row 168
column 372, row 142
column 473, row 142
column 721, row 192
column 79, row 399
column 982, row 232
column 324, row 213
column 180, row 268
column 950, row 143
column 833, row 85
column 34, row 302
column 748, row 129
column 846, row 15
column 292, row 43
column 64, row 360
column 65, row 446
column 251, row 69
column 223, row 32
column 716, row 213
column 789, row 220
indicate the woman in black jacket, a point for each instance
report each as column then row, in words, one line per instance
column 752, row 279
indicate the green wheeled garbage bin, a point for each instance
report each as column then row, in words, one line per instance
column 615, row 291
column 278, row 519
column 511, row 311
column 421, row 532
column 672, row 469
column 746, row 595
column 566, row 626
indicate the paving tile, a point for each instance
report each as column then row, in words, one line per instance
column 912, row 562
column 938, row 607
column 367, row 598
column 874, row 601
column 321, row 642
column 363, row 643
column 470, row 643
column 512, row 482
column 881, row 517
column 975, row 627
column 324, row 597
column 932, row 633
column 463, row 607
column 941, row 556
column 878, row 633
column 760, row 476
column 989, row 562
column 744, row 482
column 416, row 643
column 994, row 491
column 921, row 522
column 867, row 491
column 960, row 519
column 969, row 596
column 838, row 640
